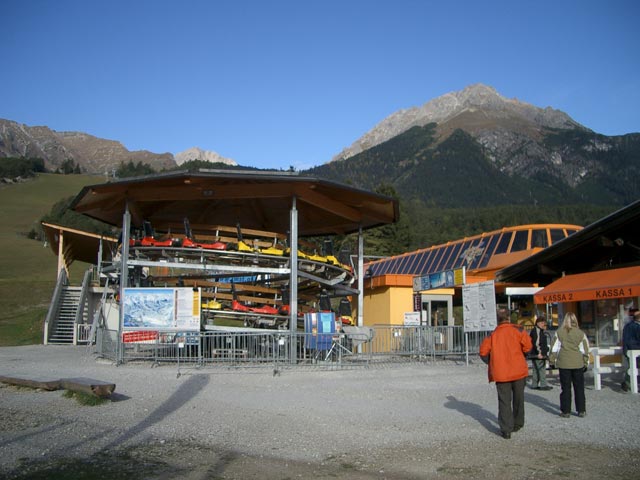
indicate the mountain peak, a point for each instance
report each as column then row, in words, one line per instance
column 477, row 100
column 196, row 153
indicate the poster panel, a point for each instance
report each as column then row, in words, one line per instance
column 479, row 307
column 412, row 319
column 161, row 309
column 318, row 327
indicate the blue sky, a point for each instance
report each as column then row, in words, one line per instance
column 274, row 84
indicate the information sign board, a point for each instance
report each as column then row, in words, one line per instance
column 479, row 306
column 161, row 308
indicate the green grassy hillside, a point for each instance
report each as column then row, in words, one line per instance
column 27, row 268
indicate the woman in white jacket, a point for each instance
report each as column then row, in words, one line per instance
column 570, row 353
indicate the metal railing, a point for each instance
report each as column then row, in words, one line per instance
column 425, row 341
column 50, row 320
column 82, row 333
column 279, row 349
column 78, row 320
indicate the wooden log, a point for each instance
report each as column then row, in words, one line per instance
column 84, row 385
column 32, row 382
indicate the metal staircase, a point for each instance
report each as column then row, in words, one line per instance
column 66, row 311
column 64, row 326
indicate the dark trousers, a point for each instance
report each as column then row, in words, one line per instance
column 539, row 373
column 511, row 404
column 572, row 377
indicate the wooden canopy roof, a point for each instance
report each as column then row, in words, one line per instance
column 70, row 244
column 260, row 201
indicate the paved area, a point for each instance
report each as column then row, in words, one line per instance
column 396, row 421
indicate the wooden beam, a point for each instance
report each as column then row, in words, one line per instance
column 328, row 204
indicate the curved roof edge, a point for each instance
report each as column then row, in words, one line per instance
column 578, row 251
column 514, row 228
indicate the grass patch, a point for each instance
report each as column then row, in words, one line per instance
column 85, row 398
column 24, row 327
column 28, row 273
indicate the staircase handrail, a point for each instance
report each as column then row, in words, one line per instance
column 97, row 314
column 86, row 282
column 55, row 303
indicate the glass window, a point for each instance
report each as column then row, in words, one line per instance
column 488, row 252
column 424, row 256
column 378, row 268
column 571, row 231
column 520, row 241
column 434, row 265
column 462, row 256
column 539, row 239
column 607, row 322
column 393, row 266
column 599, row 320
column 557, row 234
column 388, row 267
column 503, row 245
column 411, row 263
column 445, row 256
column 478, row 249
column 433, row 254
column 403, row 262
column 454, row 254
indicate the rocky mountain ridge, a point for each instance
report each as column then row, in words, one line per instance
column 196, row 153
column 518, row 139
column 473, row 101
column 92, row 154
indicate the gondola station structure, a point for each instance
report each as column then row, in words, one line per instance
column 210, row 249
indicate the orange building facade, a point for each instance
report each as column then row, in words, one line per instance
column 389, row 290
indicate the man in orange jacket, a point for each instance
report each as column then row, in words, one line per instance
column 505, row 351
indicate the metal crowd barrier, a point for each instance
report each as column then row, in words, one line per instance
column 425, row 341
column 279, row 349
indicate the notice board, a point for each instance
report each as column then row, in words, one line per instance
column 161, row 309
column 479, row 306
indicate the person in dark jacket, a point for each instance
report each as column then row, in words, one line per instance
column 630, row 341
column 539, row 354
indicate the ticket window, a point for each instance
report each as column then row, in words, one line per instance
column 601, row 321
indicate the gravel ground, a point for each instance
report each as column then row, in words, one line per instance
column 402, row 421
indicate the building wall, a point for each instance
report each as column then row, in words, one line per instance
column 376, row 306
column 387, row 305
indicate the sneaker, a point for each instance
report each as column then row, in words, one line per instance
column 565, row 415
column 582, row 414
column 506, row 435
column 515, row 429
column 625, row 387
